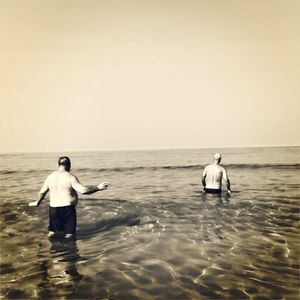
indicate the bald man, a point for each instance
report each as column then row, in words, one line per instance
column 63, row 187
column 213, row 175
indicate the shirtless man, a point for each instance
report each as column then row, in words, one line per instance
column 213, row 175
column 63, row 187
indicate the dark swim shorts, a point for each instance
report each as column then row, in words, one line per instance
column 212, row 191
column 62, row 219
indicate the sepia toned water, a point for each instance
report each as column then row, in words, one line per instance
column 153, row 234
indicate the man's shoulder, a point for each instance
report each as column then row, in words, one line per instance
column 214, row 168
column 56, row 174
column 206, row 167
column 52, row 174
column 72, row 177
column 223, row 169
column 210, row 166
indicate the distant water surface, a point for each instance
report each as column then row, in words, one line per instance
column 153, row 234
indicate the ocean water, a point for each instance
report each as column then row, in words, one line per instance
column 153, row 234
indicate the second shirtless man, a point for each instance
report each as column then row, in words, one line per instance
column 213, row 175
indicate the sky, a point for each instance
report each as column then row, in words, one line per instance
column 87, row 75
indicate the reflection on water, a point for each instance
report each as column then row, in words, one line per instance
column 60, row 269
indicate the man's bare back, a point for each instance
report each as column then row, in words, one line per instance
column 213, row 175
column 63, row 187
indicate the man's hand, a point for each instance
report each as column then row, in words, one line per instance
column 34, row 203
column 102, row 186
column 229, row 192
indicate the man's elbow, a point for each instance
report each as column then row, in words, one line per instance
column 228, row 184
column 85, row 191
column 43, row 194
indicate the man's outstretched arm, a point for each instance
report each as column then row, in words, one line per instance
column 42, row 194
column 87, row 190
column 39, row 199
column 91, row 189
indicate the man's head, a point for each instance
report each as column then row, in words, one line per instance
column 217, row 158
column 65, row 162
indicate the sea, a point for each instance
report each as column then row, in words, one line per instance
column 154, row 234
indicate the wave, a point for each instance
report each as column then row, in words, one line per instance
column 167, row 167
column 262, row 166
column 192, row 167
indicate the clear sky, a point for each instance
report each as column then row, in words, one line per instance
column 135, row 74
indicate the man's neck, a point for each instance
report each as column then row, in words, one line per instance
column 62, row 169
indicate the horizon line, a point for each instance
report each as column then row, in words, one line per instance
column 146, row 149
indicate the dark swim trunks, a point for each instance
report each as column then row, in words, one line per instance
column 212, row 191
column 62, row 219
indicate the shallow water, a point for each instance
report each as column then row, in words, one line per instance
column 153, row 234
